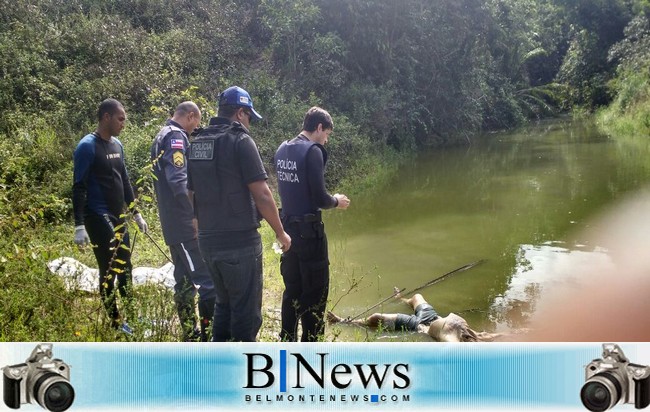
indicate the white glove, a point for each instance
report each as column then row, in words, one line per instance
column 81, row 236
column 142, row 225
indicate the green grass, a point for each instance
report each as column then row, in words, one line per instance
column 36, row 306
column 629, row 113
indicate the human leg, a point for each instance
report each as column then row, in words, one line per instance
column 184, row 292
column 101, row 234
column 200, row 276
column 314, row 274
column 221, row 318
column 221, row 315
column 387, row 320
column 122, row 263
column 423, row 316
column 245, row 283
column 239, row 293
column 415, row 301
column 290, row 270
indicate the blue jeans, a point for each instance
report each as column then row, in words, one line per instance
column 237, row 276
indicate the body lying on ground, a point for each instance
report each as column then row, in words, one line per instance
column 450, row 328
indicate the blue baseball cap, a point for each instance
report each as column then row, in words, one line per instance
column 237, row 96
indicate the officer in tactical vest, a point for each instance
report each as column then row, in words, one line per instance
column 300, row 165
column 168, row 153
column 231, row 195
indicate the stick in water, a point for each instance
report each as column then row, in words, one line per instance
column 429, row 283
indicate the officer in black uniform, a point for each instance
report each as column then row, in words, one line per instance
column 168, row 153
column 101, row 194
column 300, row 165
column 228, row 179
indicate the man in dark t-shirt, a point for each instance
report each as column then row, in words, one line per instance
column 101, row 196
column 228, row 179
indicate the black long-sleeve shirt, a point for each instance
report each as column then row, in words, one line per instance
column 316, row 179
column 101, row 183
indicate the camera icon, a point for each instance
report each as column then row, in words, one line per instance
column 41, row 379
column 613, row 379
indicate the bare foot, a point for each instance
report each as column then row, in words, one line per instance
column 397, row 292
column 333, row 318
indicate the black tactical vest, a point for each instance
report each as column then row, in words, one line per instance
column 291, row 168
column 222, row 201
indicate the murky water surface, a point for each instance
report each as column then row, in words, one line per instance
column 518, row 200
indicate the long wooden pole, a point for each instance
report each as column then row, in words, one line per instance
column 426, row 285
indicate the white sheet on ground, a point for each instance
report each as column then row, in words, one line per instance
column 79, row 276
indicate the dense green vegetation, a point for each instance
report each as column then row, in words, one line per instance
column 629, row 112
column 397, row 76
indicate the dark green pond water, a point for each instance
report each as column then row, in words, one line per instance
column 519, row 200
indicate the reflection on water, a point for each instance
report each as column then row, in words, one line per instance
column 520, row 200
column 540, row 269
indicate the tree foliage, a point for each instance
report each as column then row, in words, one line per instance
column 401, row 74
column 410, row 73
column 396, row 75
column 629, row 113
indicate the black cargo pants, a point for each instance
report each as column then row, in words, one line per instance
column 305, row 271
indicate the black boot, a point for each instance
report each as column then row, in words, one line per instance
column 206, row 312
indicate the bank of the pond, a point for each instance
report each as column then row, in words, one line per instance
column 629, row 114
column 453, row 195
column 521, row 199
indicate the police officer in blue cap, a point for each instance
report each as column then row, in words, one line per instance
column 231, row 196
column 168, row 153
column 300, row 165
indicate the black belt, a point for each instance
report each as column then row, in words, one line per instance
column 308, row 218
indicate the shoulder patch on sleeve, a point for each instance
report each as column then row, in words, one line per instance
column 178, row 159
column 177, row 144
